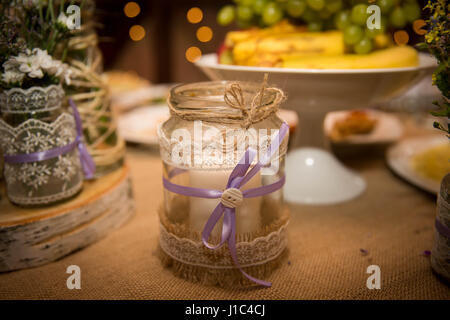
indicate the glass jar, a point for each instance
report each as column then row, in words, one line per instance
column 201, row 144
column 33, row 120
column 440, row 254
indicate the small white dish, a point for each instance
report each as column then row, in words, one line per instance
column 130, row 99
column 388, row 128
column 140, row 125
column 399, row 159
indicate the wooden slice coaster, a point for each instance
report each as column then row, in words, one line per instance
column 33, row 237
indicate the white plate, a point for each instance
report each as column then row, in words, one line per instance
column 140, row 125
column 399, row 160
column 388, row 128
column 130, row 99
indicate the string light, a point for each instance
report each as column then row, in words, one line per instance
column 401, row 37
column 194, row 15
column 137, row 33
column 132, row 9
column 418, row 25
column 204, row 34
column 193, row 54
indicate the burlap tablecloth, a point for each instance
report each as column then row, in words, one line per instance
column 392, row 221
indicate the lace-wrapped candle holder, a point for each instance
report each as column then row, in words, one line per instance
column 33, row 122
column 223, row 221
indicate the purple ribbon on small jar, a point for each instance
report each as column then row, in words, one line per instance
column 87, row 163
column 232, row 196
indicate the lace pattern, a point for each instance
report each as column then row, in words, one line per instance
column 42, row 99
column 45, row 181
column 259, row 251
column 213, row 146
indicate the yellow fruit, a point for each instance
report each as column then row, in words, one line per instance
column 395, row 57
column 256, row 50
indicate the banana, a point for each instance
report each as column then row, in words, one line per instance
column 288, row 46
column 394, row 57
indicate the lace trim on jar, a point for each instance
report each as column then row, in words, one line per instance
column 257, row 252
column 43, row 181
column 34, row 99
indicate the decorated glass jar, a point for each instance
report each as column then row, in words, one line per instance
column 440, row 254
column 34, row 133
column 223, row 221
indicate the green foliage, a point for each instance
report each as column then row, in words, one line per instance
column 437, row 41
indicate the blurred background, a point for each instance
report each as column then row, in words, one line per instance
column 158, row 51
column 163, row 32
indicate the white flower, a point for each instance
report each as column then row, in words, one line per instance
column 12, row 77
column 35, row 64
column 63, row 20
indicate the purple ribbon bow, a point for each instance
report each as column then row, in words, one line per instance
column 87, row 163
column 238, row 178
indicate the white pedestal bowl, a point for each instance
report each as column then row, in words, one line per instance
column 314, row 175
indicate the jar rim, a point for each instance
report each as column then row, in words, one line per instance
column 177, row 92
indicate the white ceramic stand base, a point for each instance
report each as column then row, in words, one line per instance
column 315, row 176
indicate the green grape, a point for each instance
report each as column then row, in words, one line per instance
column 342, row 19
column 412, row 11
column 397, row 18
column 258, row 6
column 244, row 24
column 315, row 26
column 310, row 15
column 295, row 8
column 363, row 46
column 353, row 34
column 272, row 14
column 246, row 3
column 324, row 14
column 316, row 4
column 359, row 14
column 244, row 13
column 226, row 15
column 334, row 5
column 385, row 5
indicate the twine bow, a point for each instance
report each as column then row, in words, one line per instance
column 236, row 109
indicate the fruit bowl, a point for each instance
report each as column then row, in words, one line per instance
column 314, row 175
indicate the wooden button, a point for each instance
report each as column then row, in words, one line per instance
column 232, row 198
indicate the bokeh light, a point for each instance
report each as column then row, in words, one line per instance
column 137, row 33
column 132, row 9
column 194, row 15
column 193, row 54
column 418, row 25
column 204, row 34
column 401, row 37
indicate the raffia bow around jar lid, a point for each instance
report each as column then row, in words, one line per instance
column 223, row 221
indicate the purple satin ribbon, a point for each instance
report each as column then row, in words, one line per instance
column 87, row 163
column 238, row 178
column 442, row 229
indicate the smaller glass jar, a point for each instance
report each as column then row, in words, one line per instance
column 440, row 254
column 33, row 121
column 201, row 144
